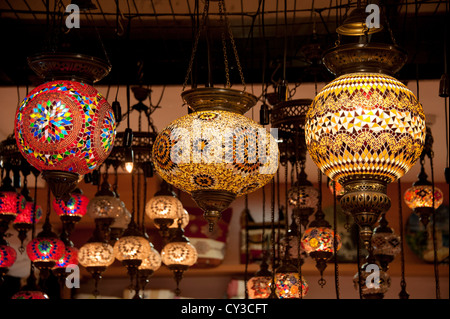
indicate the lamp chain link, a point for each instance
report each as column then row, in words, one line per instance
column 222, row 9
column 194, row 48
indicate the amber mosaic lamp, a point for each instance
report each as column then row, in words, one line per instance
column 365, row 129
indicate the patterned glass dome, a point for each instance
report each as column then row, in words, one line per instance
column 216, row 150
column 365, row 125
column 66, row 126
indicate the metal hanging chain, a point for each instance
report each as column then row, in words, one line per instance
column 403, row 294
column 358, row 257
column 224, row 48
column 272, row 217
column 436, row 263
column 223, row 11
column 247, row 240
column 195, row 46
column 336, row 265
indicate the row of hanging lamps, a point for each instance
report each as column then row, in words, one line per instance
column 65, row 128
column 365, row 129
column 215, row 153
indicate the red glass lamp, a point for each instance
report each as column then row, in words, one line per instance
column 8, row 257
column 64, row 127
column 29, row 215
column 27, row 294
column 45, row 250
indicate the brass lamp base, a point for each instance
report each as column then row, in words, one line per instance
column 61, row 183
column 365, row 200
column 213, row 203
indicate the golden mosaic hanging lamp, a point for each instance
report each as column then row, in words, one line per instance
column 365, row 129
column 215, row 153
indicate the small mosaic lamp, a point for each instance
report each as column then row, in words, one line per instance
column 8, row 257
column 131, row 249
column 318, row 242
column 287, row 282
column 31, row 214
column 96, row 255
column 105, row 208
column 164, row 209
column 178, row 255
column 419, row 197
column 71, row 211
column 119, row 225
column 259, row 286
column 372, row 286
column 151, row 263
column 11, row 204
column 45, row 250
column 69, row 259
column 385, row 243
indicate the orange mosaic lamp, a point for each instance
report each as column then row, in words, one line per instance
column 365, row 129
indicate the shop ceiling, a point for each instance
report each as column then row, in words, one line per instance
column 150, row 41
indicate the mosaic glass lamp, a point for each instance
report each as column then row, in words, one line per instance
column 183, row 215
column 178, row 255
column 288, row 284
column 96, row 256
column 151, row 263
column 65, row 128
column 365, row 129
column 419, row 197
column 71, row 211
column 386, row 244
column 105, row 207
column 163, row 209
column 8, row 256
column 11, row 204
column 132, row 248
column 45, row 250
column 318, row 242
column 303, row 197
column 259, row 286
column 215, row 153
column 119, row 225
column 31, row 214
column 69, row 259
column 374, row 287
column 28, row 294
column 292, row 239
